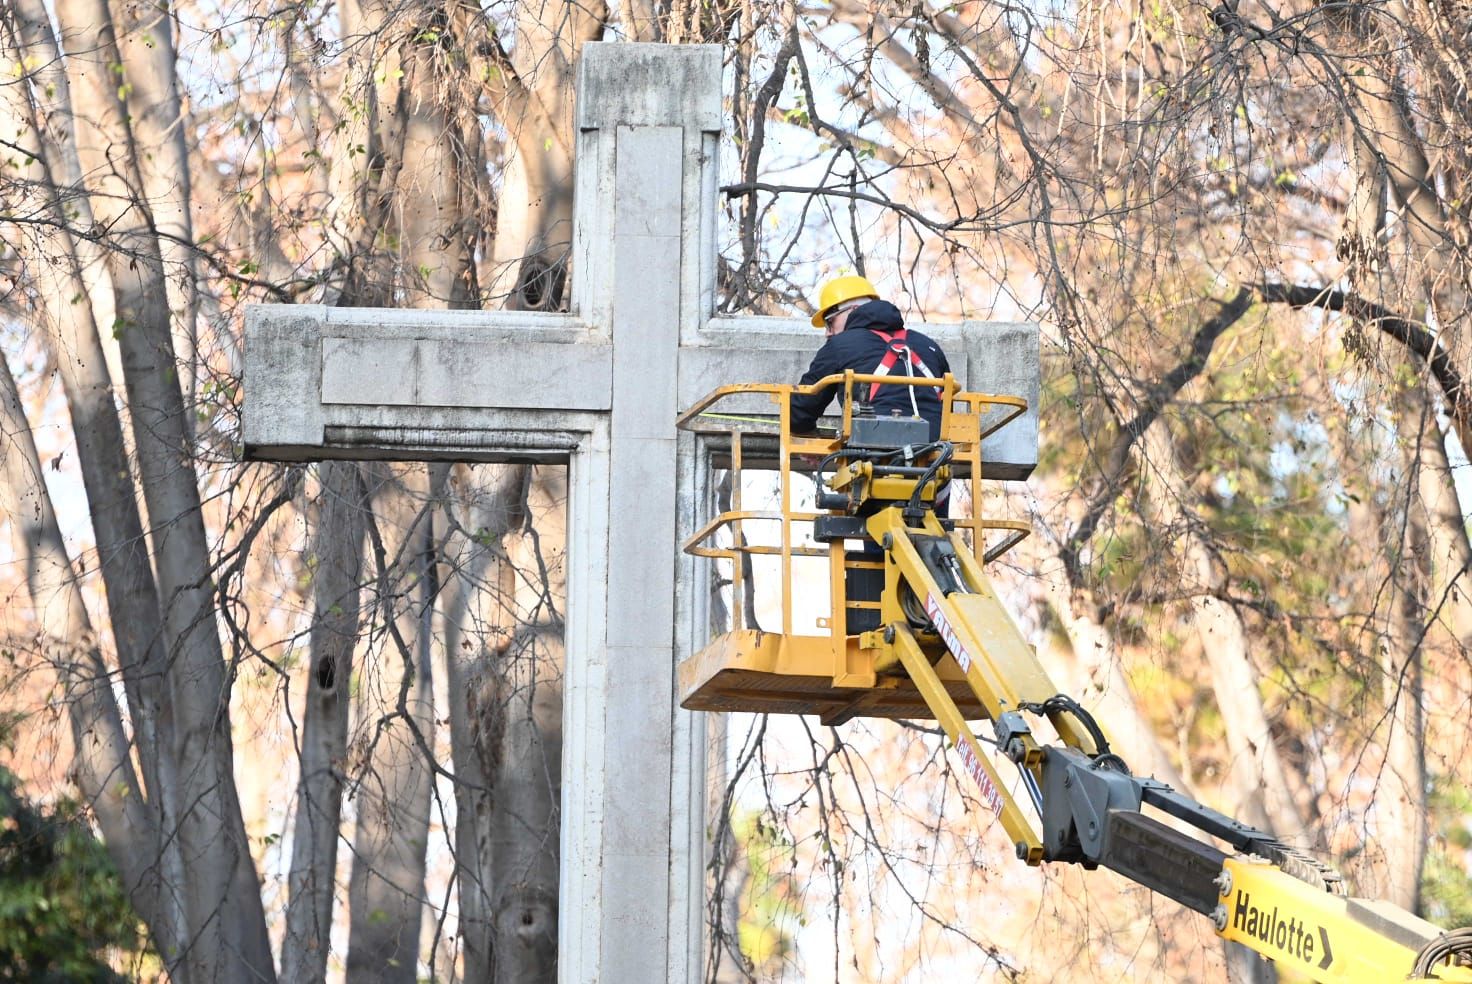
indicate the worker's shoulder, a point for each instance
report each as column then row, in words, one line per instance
column 916, row 335
column 928, row 347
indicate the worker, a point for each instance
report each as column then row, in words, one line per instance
column 868, row 335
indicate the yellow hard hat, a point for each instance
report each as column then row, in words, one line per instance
column 841, row 289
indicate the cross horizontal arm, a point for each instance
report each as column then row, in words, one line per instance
column 382, row 383
column 487, row 386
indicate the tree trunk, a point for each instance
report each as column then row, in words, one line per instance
column 1400, row 795
column 1449, row 558
column 484, row 505
column 532, row 91
column 74, row 344
column 351, row 183
column 1264, row 796
column 1100, row 669
column 417, row 135
column 466, row 657
column 531, row 250
column 514, row 697
column 226, row 925
column 1391, row 866
column 386, row 892
column 1408, row 607
column 146, row 43
column 523, row 768
column 337, row 567
column 101, row 764
column 517, row 710
column 55, row 122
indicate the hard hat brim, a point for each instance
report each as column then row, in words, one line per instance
column 819, row 319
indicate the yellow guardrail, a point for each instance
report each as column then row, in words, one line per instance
column 961, row 424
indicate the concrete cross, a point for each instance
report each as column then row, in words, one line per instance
column 599, row 389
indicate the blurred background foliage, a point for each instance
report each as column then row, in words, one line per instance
column 64, row 915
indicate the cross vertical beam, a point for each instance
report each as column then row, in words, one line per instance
column 658, row 114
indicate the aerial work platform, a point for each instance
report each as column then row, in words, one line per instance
column 832, row 675
column 915, row 630
column 769, row 673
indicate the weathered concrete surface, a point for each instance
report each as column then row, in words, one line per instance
column 599, row 389
column 415, row 385
column 327, row 382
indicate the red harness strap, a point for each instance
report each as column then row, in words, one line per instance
column 897, row 347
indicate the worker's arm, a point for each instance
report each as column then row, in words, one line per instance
column 806, row 409
column 931, row 353
column 945, row 365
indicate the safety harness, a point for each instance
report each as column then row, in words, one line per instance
column 898, row 351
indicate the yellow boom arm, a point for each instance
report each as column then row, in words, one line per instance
column 917, row 630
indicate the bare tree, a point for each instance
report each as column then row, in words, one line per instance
column 1243, row 229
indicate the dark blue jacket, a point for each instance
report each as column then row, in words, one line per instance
column 857, row 347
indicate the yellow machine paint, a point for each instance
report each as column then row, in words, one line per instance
column 930, row 638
